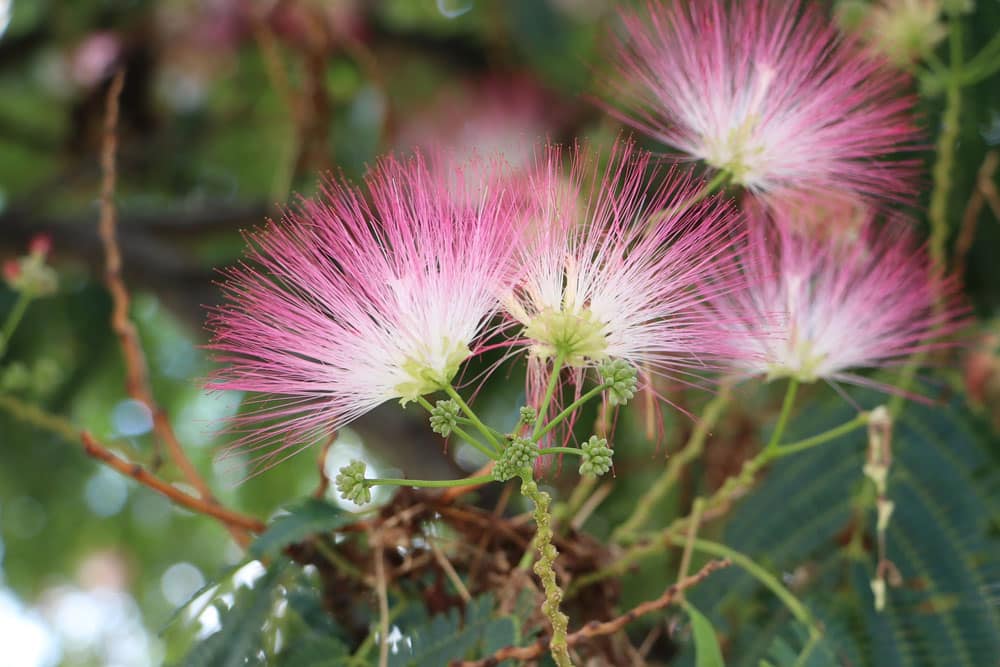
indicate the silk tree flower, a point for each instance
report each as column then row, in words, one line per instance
column 819, row 310
column 346, row 304
column 617, row 259
column 768, row 92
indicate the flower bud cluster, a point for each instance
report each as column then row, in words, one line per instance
column 519, row 454
column 622, row 380
column 444, row 417
column 351, row 483
column 596, row 457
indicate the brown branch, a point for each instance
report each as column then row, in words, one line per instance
column 232, row 519
column 985, row 190
column 324, row 480
column 598, row 629
column 136, row 369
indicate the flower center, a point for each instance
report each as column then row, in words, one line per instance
column 577, row 336
column 430, row 369
column 736, row 151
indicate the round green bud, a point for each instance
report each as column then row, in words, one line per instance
column 444, row 417
column 351, row 483
column 596, row 457
column 622, row 379
column 519, row 454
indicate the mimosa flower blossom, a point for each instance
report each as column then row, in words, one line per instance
column 345, row 305
column 769, row 92
column 819, row 310
column 616, row 261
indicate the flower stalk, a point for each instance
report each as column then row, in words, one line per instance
column 547, row 554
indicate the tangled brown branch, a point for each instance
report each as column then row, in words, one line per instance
column 598, row 629
column 228, row 517
column 136, row 369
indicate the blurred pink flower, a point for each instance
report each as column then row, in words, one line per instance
column 505, row 116
column 616, row 264
column 769, row 92
column 820, row 310
column 94, row 58
column 345, row 304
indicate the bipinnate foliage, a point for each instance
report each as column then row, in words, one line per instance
column 813, row 519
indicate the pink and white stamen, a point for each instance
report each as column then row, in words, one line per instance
column 820, row 310
column 619, row 256
column 360, row 297
column 769, row 92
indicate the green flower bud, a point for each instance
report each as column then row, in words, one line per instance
column 623, row 380
column 351, row 483
column 519, row 454
column 596, row 457
column 528, row 415
column 444, row 417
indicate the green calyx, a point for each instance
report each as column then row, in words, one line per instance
column 577, row 336
column 805, row 368
column 444, row 417
column 423, row 378
column 351, row 484
column 596, row 457
column 519, row 454
column 622, row 380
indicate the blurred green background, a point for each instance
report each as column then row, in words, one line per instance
column 230, row 107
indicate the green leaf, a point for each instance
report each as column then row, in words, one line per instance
column 316, row 652
column 311, row 517
column 453, row 636
column 706, row 646
column 240, row 639
column 941, row 537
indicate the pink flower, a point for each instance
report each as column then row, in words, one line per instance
column 346, row 304
column 820, row 310
column 617, row 262
column 769, row 92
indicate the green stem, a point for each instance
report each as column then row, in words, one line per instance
column 786, row 411
column 723, row 495
column 692, row 450
column 983, row 64
column 837, row 431
column 938, row 210
column 430, row 483
column 943, row 167
column 492, row 453
column 480, row 426
column 13, row 319
column 560, row 450
column 543, row 409
column 570, row 409
column 547, row 554
column 794, row 605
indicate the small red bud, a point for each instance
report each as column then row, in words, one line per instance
column 40, row 245
column 11, row 270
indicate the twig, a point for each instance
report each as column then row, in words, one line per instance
column 699, row 505
column 453, row 493
column 692, row 450
column 324, row 479
column 598, row 629
column 591, row 504
column 449, row 570
column 984, row 188
column 136, row 369
column 228, row 517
